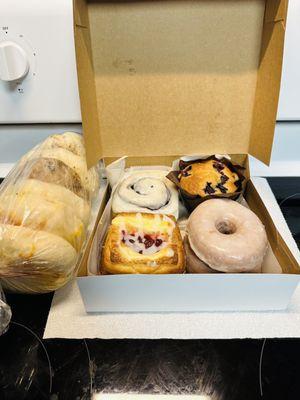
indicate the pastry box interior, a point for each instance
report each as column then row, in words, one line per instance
column 158, row 81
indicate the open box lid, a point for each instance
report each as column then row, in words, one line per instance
column 172, row 77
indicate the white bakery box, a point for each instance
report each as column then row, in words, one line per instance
column 161, row 79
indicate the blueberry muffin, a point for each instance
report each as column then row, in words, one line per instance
column 210, row 177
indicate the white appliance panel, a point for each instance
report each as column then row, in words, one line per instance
column 37, row 46
column 289, row 101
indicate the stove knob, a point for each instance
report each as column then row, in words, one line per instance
column 14, row 62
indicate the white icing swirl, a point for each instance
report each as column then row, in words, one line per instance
column 151, row 193
column 146, row 191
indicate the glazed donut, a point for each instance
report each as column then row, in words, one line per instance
column 227, row 236
column 193, row 264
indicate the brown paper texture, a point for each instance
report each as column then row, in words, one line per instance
column 179, row 77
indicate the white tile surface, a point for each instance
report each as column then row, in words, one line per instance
column 68, row 319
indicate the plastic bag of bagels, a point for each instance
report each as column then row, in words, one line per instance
column 45, row 211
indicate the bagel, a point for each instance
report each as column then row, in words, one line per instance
column 55, row 171
column 33, row 211
column 44, row 261
column 45, row 208
column 53, row 193
column 68, row 148
column 70, row 141
column 77, row 163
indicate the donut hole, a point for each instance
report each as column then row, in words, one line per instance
column 226, row 227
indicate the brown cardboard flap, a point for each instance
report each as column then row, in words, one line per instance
column 276, row 10
column 176, row 76
column 283, row 254
column 86, row 84
column 268, row 86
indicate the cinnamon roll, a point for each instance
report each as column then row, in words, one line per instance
column 147, row 191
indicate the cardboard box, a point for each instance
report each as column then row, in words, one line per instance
column 160, row 79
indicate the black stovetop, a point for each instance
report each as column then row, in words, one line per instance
column 31, row 368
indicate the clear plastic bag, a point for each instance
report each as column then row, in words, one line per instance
column 45, row 210
column 5, row 313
